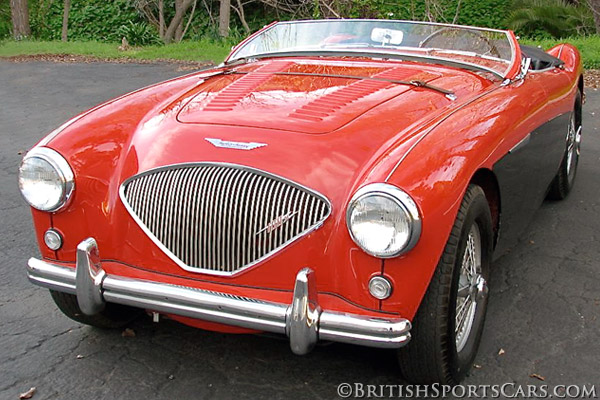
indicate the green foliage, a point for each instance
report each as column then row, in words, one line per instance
column 485, row 13
column 139, row 34
column 5, row 21
column 88, row 19
column 550, row 18
column 588, row 46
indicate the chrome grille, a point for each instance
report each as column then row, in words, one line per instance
column 221, row 218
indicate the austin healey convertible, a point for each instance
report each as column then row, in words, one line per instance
column 336, row 180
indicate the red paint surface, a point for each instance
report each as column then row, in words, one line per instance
column 332, row 135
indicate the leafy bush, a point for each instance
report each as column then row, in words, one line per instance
column 485, row 13
column 88, row 19
column 5, row 21
column 550, row 18
column 139, row 34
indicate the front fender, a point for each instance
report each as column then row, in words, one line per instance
column 438, row 170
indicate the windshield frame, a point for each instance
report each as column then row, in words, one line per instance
column 513, row 65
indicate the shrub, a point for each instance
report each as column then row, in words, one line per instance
column 485, row 13
column 139, row 34
column 550, row 18
column 88, row 19
column 5, row 21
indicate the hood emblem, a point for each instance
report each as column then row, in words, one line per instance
column 226, row 144
column 277, row 222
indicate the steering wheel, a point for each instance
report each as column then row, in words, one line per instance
column 493, row 50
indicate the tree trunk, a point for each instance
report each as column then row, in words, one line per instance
column 240, row 11
column 179, row 29
column 224, row 12
column 189, row 20
column 595, row 6
column 176, row 21
column 20, row 19
column 161, row 18
column 65, row 24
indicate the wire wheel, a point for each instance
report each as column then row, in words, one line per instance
column 471, row 288
column 447, row 328
column 573, row 148
column 565, row 177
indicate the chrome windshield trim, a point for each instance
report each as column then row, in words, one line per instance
column 378, row 55
column 176, row 259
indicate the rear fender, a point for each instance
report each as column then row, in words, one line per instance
column 569, row 54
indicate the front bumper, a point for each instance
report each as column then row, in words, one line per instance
column 303, row 321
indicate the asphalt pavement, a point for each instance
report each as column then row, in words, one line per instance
column 543, row 317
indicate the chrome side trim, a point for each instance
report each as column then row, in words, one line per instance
column 303, row 321
column 522, row 143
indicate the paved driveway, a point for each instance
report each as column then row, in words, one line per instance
column 543, row 311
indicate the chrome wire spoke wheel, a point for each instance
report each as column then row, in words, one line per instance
column 448, row 325
column 471, row 288
column 563, row 181
column 573, row 147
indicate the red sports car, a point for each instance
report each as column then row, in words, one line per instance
column 336, row 180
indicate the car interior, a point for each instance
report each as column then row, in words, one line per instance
column 540, row 59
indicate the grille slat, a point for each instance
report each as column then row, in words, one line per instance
column 221, row 218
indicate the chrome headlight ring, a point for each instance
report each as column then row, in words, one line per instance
column 46, row 180
column 383, row 220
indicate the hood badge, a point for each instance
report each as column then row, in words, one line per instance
column 226, row 144
column 277, row 222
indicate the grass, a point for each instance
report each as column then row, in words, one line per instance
column 589, row 47
column 209, row 50
column 200, row 50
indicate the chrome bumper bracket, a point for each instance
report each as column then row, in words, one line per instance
column 88, row 278
column 302, row 325
column 303, row 321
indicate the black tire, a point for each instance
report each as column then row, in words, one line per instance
column 114, row 316
column 565, row 177
column 432, row 356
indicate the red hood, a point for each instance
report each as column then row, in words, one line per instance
column 364, row 132
column 357, row 126
column 295, row 96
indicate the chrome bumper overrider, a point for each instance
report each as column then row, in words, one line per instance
column 303, row 321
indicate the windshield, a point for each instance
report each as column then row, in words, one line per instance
column 485, row 49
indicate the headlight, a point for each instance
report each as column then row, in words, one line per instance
column 383, row 220
column 45, row 179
